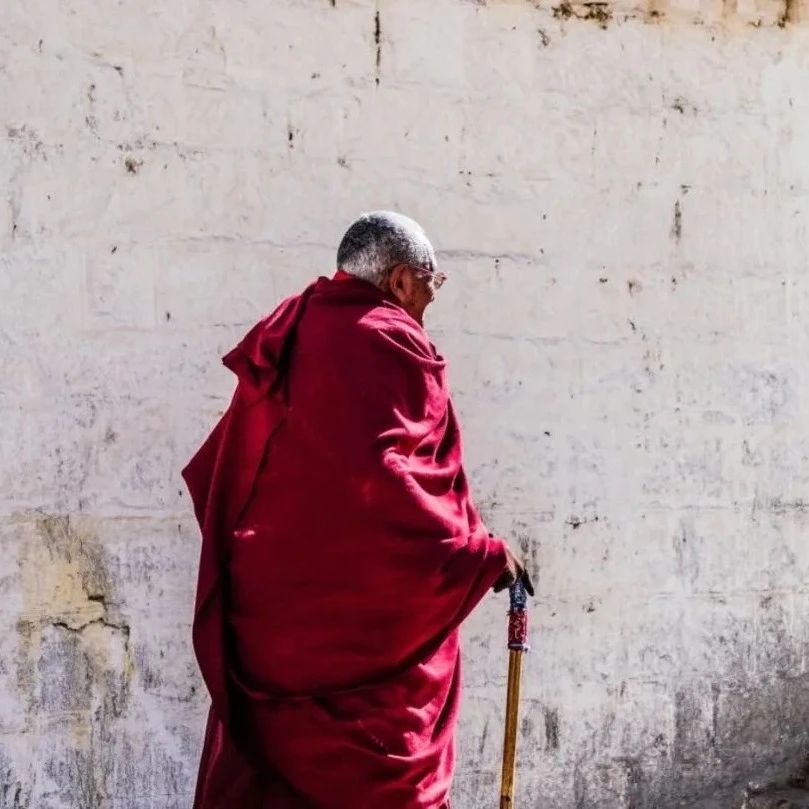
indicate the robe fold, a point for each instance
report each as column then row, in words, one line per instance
column 340, row 553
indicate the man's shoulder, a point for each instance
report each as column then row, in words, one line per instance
column 390, row 326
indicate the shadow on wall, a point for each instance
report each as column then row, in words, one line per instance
column 793, row 793
column 722, row 756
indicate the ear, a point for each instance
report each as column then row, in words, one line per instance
column 399, row 283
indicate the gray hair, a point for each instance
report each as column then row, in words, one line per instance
column 380, row 240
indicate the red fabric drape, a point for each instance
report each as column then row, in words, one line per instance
column 340, row 553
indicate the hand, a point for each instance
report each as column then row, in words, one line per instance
column 513, row 573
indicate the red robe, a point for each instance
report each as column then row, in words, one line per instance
column 340, row 553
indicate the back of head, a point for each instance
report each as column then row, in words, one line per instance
column 378, row 241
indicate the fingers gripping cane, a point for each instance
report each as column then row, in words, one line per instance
column 517, row 645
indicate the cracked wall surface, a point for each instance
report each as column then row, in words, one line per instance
column 619, row 192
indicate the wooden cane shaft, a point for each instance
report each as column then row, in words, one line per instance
column 510, row 740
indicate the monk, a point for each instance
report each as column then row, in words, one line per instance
column 340, row 547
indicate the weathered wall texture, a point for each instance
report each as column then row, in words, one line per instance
column 620, row 193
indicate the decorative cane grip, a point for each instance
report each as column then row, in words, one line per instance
column 518, row 617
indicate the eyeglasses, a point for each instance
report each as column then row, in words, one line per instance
column 435, row 279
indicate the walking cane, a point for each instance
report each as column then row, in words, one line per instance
column 517, row 645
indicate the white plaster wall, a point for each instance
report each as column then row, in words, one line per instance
column 620, row 194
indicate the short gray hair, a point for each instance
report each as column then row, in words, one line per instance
column 380, row 240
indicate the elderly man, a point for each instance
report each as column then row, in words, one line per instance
column 341, row 550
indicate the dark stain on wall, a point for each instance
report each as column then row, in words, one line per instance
column 598, row 12
column 551, row 729
column 677, row 224
column 378, row 45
